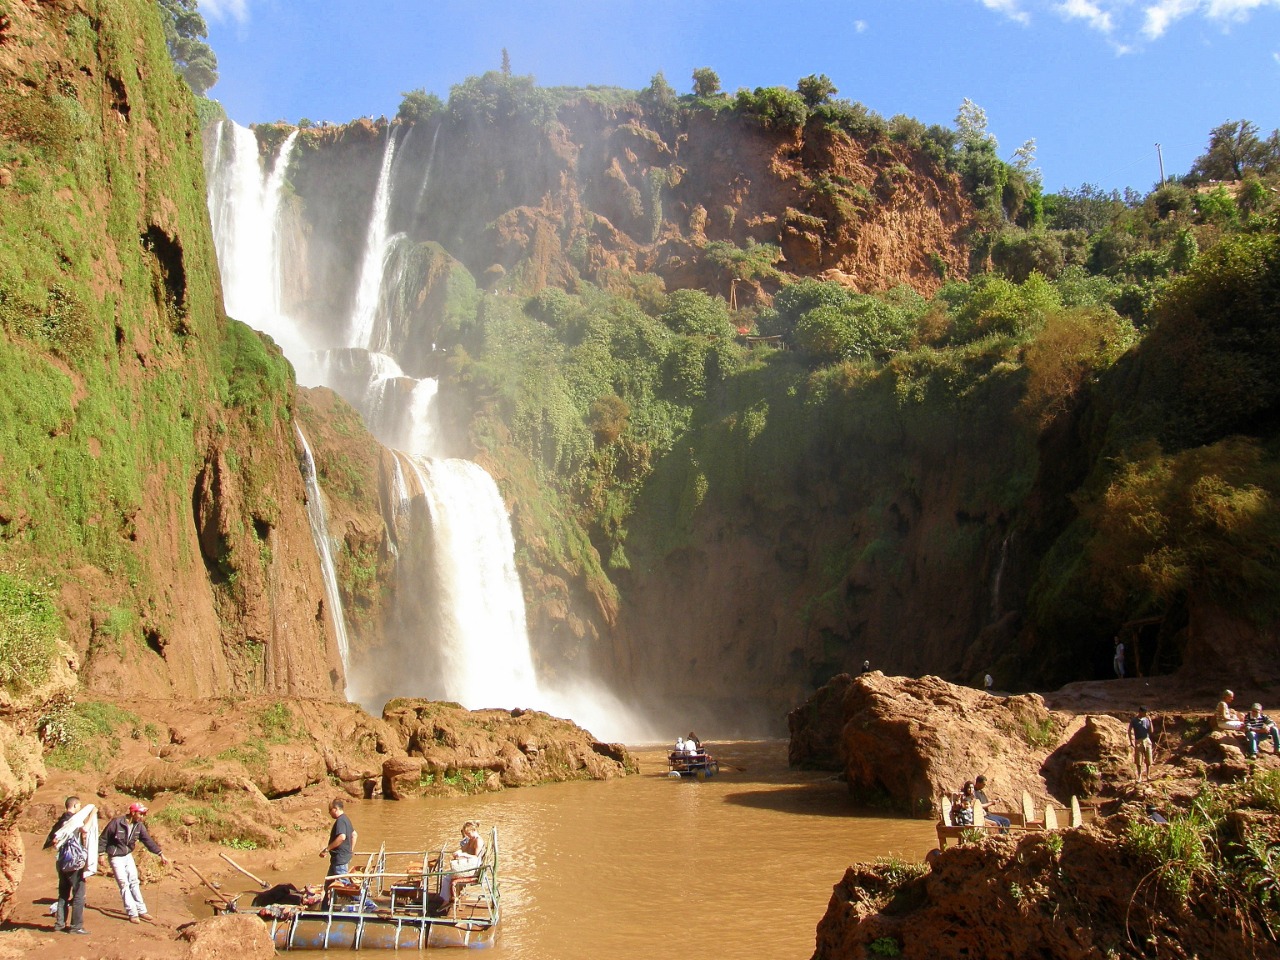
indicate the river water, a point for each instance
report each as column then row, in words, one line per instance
column 741, row 865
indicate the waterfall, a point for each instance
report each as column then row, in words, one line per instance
column 456, row 619
column 377, row 246
column 426, row 176
column 319, row 521
column 999, row 576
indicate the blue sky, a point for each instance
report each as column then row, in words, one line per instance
column 1096, row 83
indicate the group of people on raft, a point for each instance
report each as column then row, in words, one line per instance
column 689, row 746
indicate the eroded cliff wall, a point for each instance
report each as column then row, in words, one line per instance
column 153, row 538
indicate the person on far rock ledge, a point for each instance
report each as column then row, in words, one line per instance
column 1117, row 662
column 116, row 843
column 1224, row 718
column 1257, row 725
column 1141, row 743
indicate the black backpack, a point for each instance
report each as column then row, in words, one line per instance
column 72, row 855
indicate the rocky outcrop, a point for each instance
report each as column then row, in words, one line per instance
column 1070, row 896
column 235, row 935
column 454, row 750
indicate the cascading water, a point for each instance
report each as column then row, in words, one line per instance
column 377, row 246
column 319, row 520
column 457, row 625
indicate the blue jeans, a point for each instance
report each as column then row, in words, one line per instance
column 1253, row 737
column 999, row 821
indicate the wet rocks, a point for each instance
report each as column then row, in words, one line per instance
column 451, row 749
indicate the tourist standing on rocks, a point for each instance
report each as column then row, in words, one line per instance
column 70, row 838
column 1224, row 718
column 116, row 844
column 1117, row 662
column 1140, row 741
column 1258, row 725
column 979, row 791
column 341, row 842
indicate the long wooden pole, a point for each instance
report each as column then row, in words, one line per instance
column 258, row 880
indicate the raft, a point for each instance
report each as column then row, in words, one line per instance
column 697, row 766
column 394, row 903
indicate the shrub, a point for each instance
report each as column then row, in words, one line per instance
column 774, row 108
column 29, row 632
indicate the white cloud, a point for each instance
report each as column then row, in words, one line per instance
column 1089, row 12
column 1009, row 8
column 1158, row 17
column 1126, row 23
column 860, row 26
column 237, row 10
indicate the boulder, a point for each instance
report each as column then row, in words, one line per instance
column 238, row 935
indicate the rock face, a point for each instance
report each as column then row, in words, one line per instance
column 234, row 935
column 1023, row 898
column 603, row 192
column 910, row 740
column 451, row 749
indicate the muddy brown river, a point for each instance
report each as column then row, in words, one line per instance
column 741, row 865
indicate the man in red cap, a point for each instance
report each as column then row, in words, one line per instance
column 116, row 843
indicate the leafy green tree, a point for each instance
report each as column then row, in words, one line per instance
column 506, row 63
column 698, row 314
column 864, row 327
column 1019, row 253
column 497, row 99
column 1234, row 148
column 776, row 108
column 659, row 99
column 184, row 34
column 815, row 89
column 706, row 82
column 418, row 106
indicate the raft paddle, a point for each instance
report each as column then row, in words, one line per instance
column 258, row 880
column 218, row 893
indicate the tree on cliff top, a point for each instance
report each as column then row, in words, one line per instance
column 1235, row 149
column 706, row 82
column 184, row 33
column 419, row 106
column 815, row 89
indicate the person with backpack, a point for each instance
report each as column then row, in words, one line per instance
column 118, row 839
column 70, row 838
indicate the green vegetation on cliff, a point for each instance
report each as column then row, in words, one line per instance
column 117, row 368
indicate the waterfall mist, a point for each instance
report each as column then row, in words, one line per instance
column 456, row 626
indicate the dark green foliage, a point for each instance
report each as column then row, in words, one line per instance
column 706, row 82
column 1018, row 253
column 774, row 108
column 861, row 328
column 816, row 89
column 659, row 100
column 697, row 314
column 184, row 34
column 29, row 633
column 1235, row 148
column 1212, row 363
column 498, row 99
column 753, row 262
column 418, row 106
